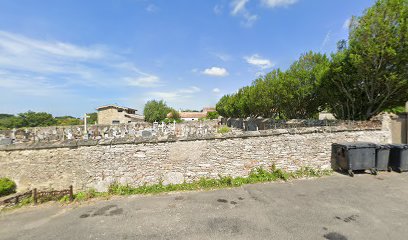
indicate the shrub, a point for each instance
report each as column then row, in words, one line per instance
column 7, row 186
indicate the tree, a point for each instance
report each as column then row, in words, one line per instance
column 156, row 111
column 11, row 122
column 40, row 119
column 93, row 118
column 212, row 115
column 371, row 75
column 299, row 86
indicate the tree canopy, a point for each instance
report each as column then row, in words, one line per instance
column 368, row 74
column 156, row 111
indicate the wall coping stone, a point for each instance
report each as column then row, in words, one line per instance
column 174, row 138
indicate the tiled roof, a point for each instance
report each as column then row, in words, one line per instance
column 192, row 114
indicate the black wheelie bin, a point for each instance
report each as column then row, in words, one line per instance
column 382, row 156
column 399, row 157
column 355, row 156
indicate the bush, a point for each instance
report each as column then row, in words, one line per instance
column 7, row 187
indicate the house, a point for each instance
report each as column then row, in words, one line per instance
column 113, row 114
column 194, row 116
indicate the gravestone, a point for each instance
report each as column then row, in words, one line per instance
column 146, row 133
column 6, row 141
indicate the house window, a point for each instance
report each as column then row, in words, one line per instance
column 115, row 122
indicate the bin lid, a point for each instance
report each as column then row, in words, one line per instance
column 383, row 146
column 354, row 145
column 400, row 146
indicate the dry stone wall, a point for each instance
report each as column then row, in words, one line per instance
column 136, row 163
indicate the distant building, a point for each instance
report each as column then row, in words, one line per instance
column 194, row 116
column 113, row 114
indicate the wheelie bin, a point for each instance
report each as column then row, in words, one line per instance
column 382, row 156
column 399, row 157
column 355, row 156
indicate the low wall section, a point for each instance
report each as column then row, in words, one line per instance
column 173, row 161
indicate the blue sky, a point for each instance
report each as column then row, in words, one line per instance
column 69, row 57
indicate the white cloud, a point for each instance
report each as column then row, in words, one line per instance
column 152, row 8
column 144, row 81
column 215, row 72
column 238, row 8
column 278, row 3
column 258, row 61
column 176, row 96
column 43, row 64
column 346, row 24
column 216, row 90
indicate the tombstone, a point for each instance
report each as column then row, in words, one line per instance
column 69, row 134
column 13, row 134
column 252, row 126
column 6, row 141
column 155, row 125
column 146, row 133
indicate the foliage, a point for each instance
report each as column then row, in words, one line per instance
column 224, row 129
column 371, row 74
column 68, row 121
column 93, row 118
column 7, row 186
column 212, row 115
column 362, row 79
column 396, row 110
column 278, row 94
column 5, row 115
column 37, row 119
column 156, row 111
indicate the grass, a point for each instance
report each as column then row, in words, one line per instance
column 224, row 129
column 258, row 175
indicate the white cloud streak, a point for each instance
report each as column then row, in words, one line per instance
column 238, row 9
column 176, row 96
column 56, row 65
column 215, row 72
column 278, row 3
column 346, row 24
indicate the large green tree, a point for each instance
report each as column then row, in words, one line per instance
column 298, row 89
column 371, row 74
column 156, row 111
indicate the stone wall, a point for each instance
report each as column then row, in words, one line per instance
column 103, row 132
column 173, row 161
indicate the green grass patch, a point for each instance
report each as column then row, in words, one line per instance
column 224, row 129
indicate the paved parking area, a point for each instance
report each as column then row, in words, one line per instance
column 336, row 207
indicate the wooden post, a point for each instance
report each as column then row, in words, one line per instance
column 35, row 197
column 71, row 193
column 16, row 199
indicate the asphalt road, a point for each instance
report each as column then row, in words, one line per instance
column 337, row 207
